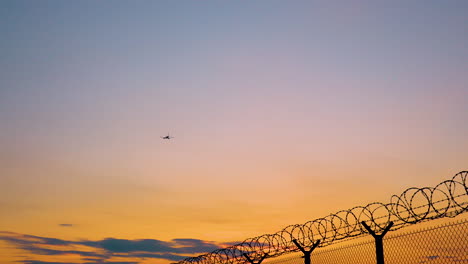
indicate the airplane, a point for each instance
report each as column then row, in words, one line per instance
column 167, row 137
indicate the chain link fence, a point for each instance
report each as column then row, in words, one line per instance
column 438, row 243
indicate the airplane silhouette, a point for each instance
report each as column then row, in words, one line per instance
column 167, row 137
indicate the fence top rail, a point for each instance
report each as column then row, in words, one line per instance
column 414, row 205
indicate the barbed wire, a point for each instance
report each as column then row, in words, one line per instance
column 414, row 205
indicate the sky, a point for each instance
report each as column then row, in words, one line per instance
column 281, row 112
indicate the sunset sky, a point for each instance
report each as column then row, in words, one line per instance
column 282, row 112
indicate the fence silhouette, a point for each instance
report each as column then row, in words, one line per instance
column 414, row 205
column 442, row 243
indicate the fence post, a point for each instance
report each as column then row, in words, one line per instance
column 251, row 260
column 306, row 253
column 379, row 253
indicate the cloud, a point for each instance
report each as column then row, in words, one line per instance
column 191, row 245
column 66, row 225
column 104, row 249
column 45, row 262
column 124, row 246
column 39, row 262
column 21, row 239
column 180, row 246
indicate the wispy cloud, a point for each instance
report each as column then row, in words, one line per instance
column 66, row 225
column 102, row 251
column 46, row 262
column 39, row 262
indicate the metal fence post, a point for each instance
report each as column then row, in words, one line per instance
column 252, row 261
column 306, row 253
column 379, row 250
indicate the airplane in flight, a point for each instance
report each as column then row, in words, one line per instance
column 167, row 137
